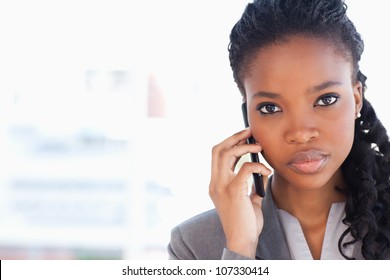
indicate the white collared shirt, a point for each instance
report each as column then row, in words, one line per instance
column 296, row 241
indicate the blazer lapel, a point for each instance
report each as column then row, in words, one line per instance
column 272, row 244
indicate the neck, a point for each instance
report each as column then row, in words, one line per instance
column 308, row 205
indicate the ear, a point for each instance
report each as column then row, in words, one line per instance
column 358, row 95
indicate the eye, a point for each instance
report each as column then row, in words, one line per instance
column 327, row 100
column 268, row 108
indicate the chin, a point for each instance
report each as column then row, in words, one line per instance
column 308, row 182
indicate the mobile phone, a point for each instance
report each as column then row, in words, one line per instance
column 257, row 178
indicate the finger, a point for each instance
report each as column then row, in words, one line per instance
column 229, row 158
column 248, row 168
column 256, row 199
column 236, row 184
column 238, row 139
column 219, row 150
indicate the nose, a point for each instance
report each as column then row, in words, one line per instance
column 301, row 129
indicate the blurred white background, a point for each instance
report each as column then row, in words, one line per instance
column 108, row 112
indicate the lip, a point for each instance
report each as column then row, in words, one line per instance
column 308, row 162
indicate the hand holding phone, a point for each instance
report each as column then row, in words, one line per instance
column 257, row 178
column 240, row 214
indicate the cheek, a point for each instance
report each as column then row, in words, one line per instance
column 263, row 133
column 343, row 135
column 342, row 128
column 271, row 140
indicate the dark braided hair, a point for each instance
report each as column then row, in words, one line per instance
column 367, row 168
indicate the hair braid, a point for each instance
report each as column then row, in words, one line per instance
column 368, row 194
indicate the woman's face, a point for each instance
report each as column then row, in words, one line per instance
column 302, row 105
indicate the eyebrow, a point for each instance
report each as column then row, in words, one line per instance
column 314, row 89
column 267, row 94
column 324, row 85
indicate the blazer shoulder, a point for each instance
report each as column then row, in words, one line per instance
column 208, row 220
column 200, row 237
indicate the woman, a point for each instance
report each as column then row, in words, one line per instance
column 296, row 64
